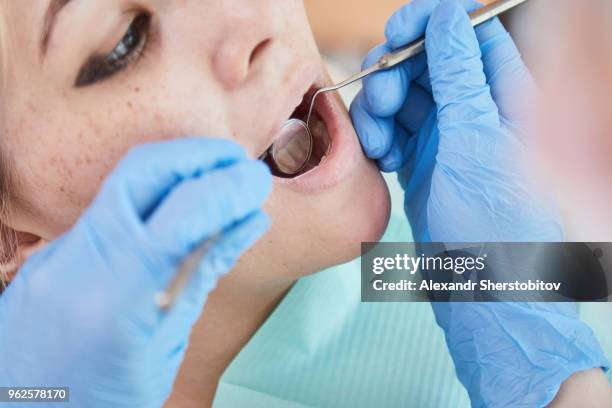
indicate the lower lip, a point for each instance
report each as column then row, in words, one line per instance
column 342, row 154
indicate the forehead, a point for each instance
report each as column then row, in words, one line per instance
column 20, row 22
column 19, row 49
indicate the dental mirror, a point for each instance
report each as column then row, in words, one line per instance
column 292, row 150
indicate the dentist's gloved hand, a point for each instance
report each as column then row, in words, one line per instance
column 81, row 313
column 451, row 122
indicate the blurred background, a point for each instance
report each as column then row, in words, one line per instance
column 357, row 25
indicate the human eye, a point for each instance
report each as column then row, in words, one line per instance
column 127, row 51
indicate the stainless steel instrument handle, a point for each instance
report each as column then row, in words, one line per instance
column 477, row 17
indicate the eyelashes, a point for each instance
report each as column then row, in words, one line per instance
column 128, row 50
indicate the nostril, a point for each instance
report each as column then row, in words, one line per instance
column 258, row 50
column 236, row 57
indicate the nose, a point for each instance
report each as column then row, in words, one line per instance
column 248, row 37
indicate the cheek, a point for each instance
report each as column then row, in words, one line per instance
column 64, row 156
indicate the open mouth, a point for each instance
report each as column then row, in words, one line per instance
column 300, row 154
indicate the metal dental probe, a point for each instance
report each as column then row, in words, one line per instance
column 400, row 55
column 186, row 270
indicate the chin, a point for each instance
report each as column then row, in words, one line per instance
column 363, row 215
column 314, row 231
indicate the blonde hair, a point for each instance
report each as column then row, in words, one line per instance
column 8, row 236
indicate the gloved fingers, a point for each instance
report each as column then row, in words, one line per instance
column 459, row 85
column 221, row 259
column 512, row 86
column 408, row 133
column 418, row 106
column 397, row 154
column 416, row 109
column 375, row 134
column 384, row 139
column 198, row 208
column 392, row 161
column 423, row 80
column 409, row 22
column 386, row 91
column 149, row 171
column 416, row 176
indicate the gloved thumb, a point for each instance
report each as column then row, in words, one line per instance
column 456, row 71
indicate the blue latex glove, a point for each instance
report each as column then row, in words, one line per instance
column 449, row 123
column 81, row 312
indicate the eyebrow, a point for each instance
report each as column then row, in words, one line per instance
column 53, row 9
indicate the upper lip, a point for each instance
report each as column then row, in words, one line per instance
column 299, row 88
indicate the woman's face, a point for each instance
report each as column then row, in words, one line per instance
column 85, row 80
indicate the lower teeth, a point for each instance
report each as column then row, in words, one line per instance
column 320, row 142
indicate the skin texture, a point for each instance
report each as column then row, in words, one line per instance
column 206, row 67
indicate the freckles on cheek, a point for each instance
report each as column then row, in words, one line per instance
column 73, row 170
column 78, row 156
column 81, row 149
